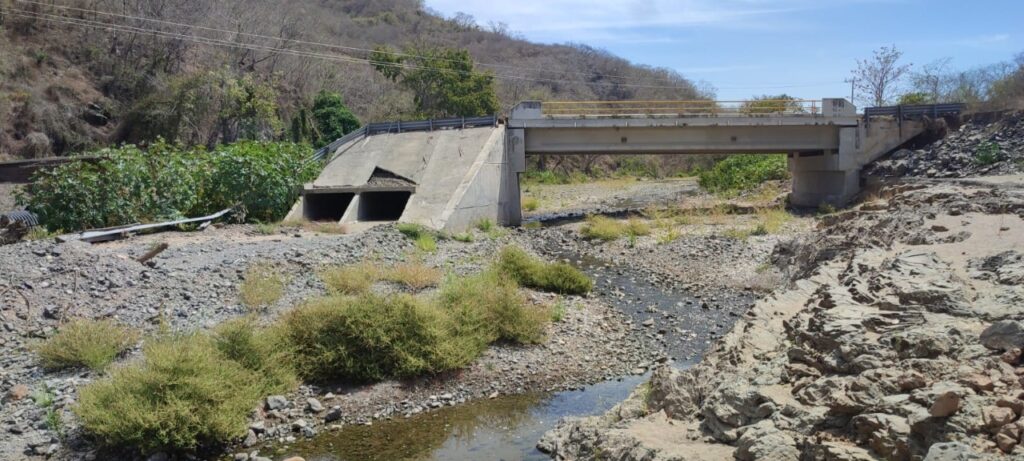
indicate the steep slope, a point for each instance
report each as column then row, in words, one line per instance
column 68, row 83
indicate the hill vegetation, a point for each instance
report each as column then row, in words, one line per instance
column 71, row 82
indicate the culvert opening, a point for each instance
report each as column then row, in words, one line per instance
column 326, row 207
column 382, row 206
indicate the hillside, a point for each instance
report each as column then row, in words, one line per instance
column 71, row 83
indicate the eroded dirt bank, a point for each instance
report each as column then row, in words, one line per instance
column 899, row 338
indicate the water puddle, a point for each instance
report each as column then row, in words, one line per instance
column 504, row 428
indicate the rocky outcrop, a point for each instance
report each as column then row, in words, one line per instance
column 894, row 342
column 978, row 147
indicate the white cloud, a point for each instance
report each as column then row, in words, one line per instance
column 574, row 20
column 982, row 40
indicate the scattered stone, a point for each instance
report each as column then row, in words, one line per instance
column 1004, row 335
column 277, row 402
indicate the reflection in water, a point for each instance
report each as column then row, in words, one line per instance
column 506, row 428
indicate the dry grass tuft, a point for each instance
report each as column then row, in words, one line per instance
column 414, row 275
column 92, row 344
column 262, row 287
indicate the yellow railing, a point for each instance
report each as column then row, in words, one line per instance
column 681, row 108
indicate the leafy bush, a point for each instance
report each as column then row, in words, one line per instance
column 131, row 185
column 368, row 338
column 373, row 337
column 263, row 286
column 333, row 119
column 256, row 349
column 988, row 154
column 743, row 172
column 530, row 204
column 93, row 344
column 487, row 307
column 532, row 272
column 181, row 395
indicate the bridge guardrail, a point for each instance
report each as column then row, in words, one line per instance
column 915, row 110
column 754, row 108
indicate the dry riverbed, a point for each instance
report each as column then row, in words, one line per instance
column 657, row 300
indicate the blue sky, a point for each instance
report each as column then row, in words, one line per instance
column 750, row 47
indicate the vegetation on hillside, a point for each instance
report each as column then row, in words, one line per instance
column 67, row 89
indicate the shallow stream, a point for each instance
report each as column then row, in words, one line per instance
column 503, row 428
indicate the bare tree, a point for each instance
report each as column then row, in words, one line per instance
column 877, row 79
column 933, row 80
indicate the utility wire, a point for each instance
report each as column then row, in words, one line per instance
column 334, row 57
column 294, row 52
column 411, row 55
column 328, row 45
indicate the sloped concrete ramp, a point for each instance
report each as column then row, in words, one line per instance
column 445, row 180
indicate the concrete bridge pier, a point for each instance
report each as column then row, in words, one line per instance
column 832, row 176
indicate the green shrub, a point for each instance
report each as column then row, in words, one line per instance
column 530, row 204
column 181, row 395
column 988, row 154
column 603, row 228
column 636, row 227
column 368, row 338
column 333, row 118
column 164, row 182
column 412, row 231
column 464, row 237
column 427, row 243
column 262, row 287
column 485, row 225
column 743, row 172
column 534, row 273
column 488, row 307
column 256, row 349
column 93, row 344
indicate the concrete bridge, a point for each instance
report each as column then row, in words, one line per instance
column 448, row 177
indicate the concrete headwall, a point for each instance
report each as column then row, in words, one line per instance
column 456, row 177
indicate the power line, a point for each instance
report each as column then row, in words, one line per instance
column 327, row 45
column 288, row 51
column 335, row 57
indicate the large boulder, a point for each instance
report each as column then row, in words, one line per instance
column 764, row 441
column 1003, row 335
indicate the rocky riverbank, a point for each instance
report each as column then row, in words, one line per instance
column 898, row 338
column 639, row 315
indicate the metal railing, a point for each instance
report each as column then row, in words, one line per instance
column 404, row 127
column 915, row 110
column 755, row 108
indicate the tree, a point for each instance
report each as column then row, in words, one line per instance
column 770, row 104
column 443, row 81
column 878, row 78
column 205, row 108
column 333, row 119
column 916, row 97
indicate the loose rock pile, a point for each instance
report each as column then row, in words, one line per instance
column 976, row 148
column 900, row 339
